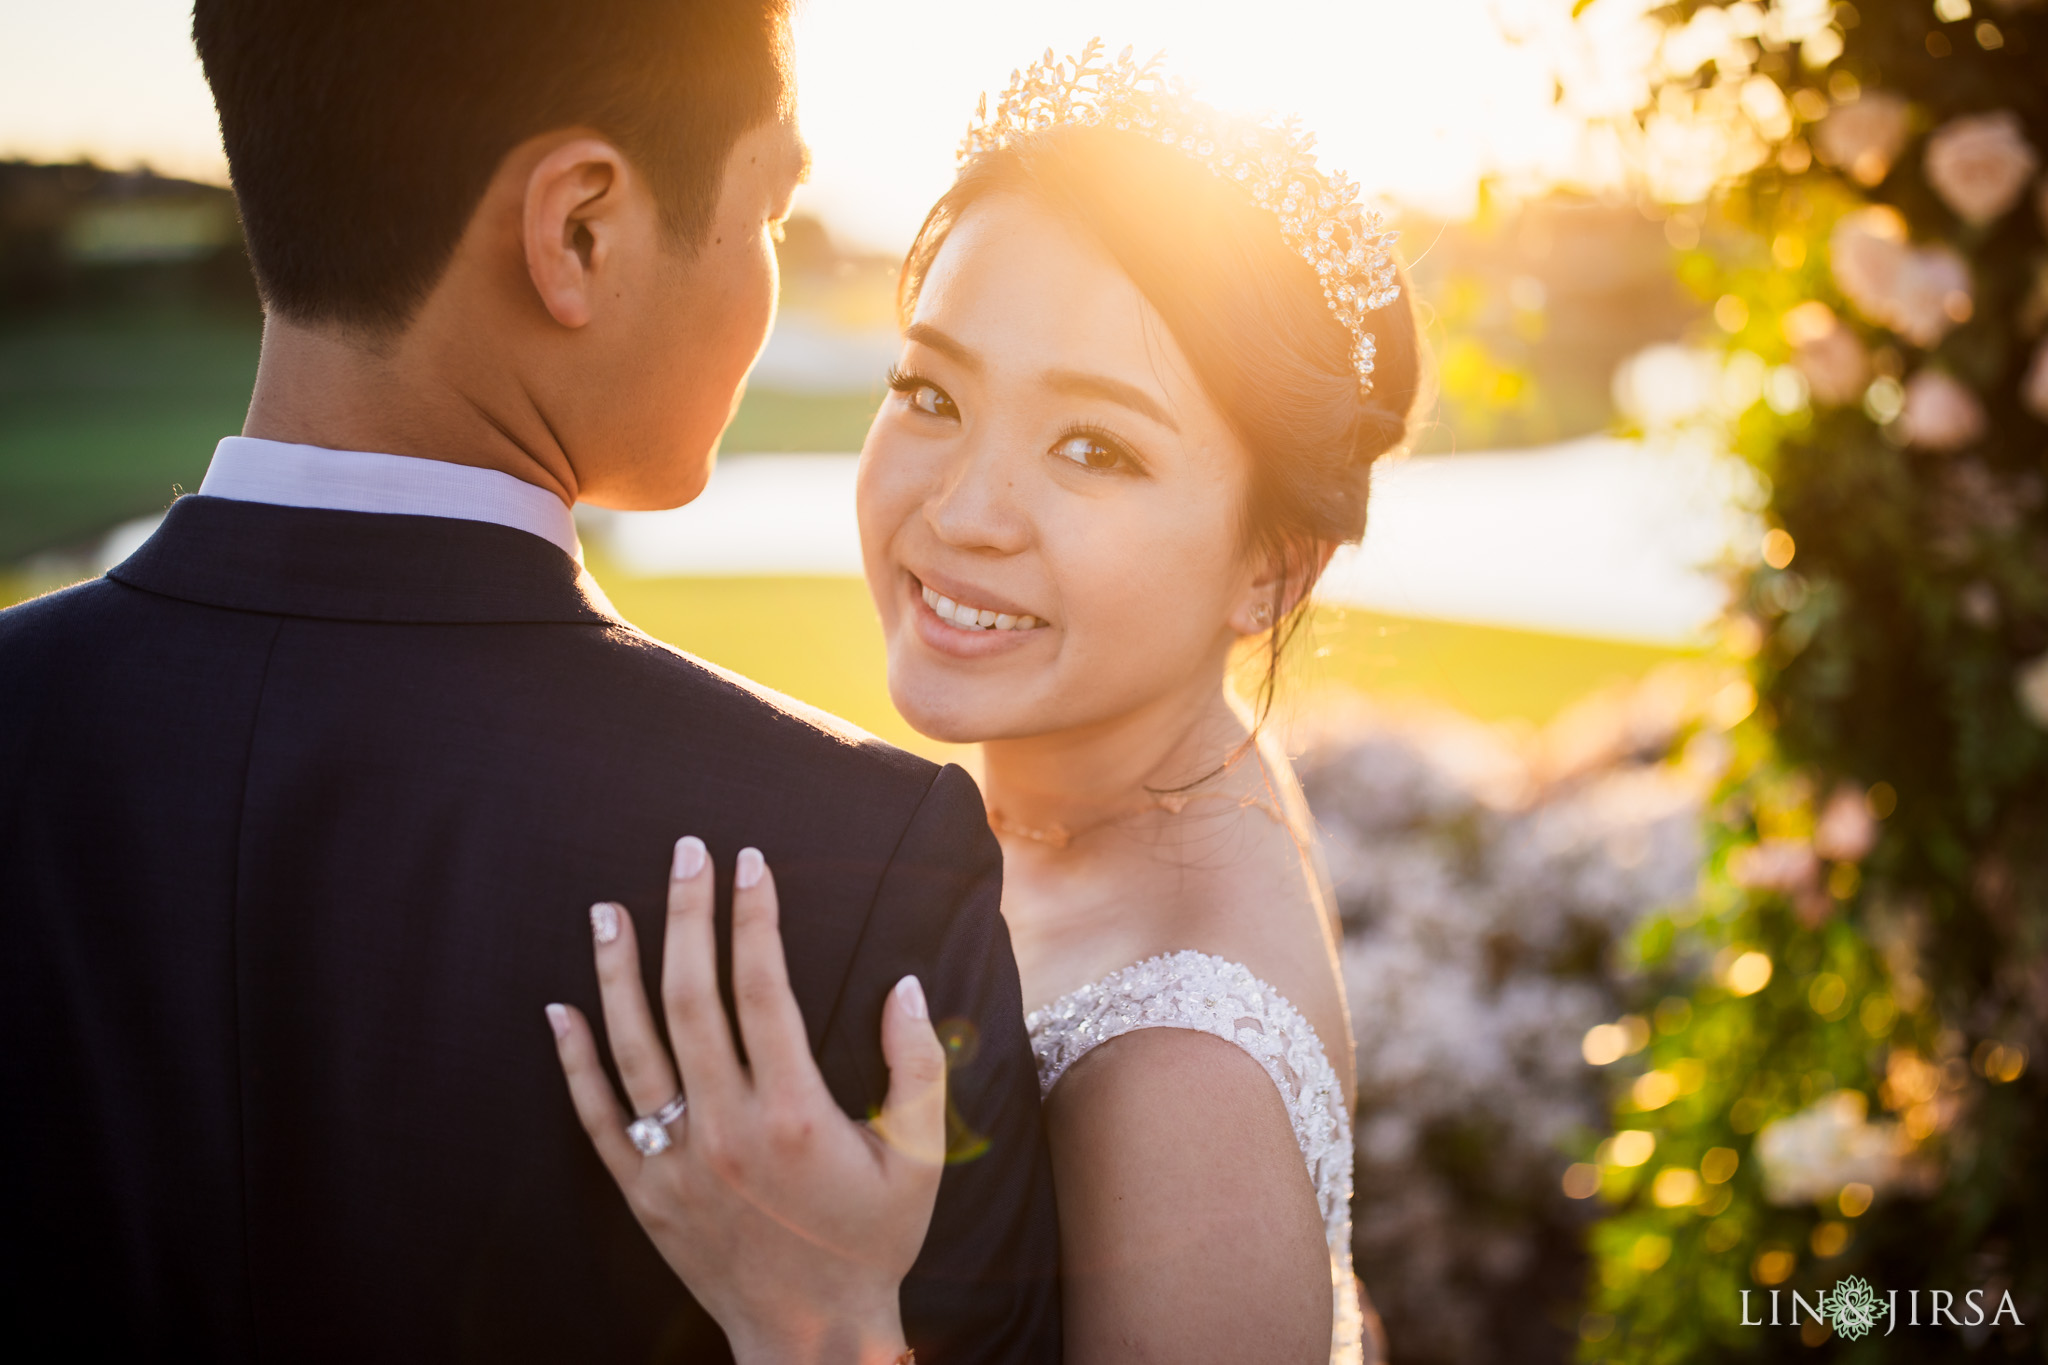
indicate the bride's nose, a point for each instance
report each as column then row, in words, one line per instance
column 975, row 506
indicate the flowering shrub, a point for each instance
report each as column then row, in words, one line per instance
column 1486, row 888
column 1865, row 973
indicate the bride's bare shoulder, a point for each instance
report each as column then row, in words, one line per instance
column 1140, row 1090
column 1188, row 1223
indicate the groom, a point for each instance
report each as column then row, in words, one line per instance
column 303, row 806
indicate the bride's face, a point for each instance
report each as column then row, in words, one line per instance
column 1047, row 462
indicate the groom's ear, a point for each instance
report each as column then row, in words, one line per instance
column 574, row 221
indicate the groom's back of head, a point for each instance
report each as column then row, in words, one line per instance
column 361, row 134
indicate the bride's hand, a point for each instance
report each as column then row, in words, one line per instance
column 792, row 1224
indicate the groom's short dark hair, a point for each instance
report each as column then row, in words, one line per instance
column 361, row 134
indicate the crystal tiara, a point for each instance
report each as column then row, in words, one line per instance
column 1321, row 219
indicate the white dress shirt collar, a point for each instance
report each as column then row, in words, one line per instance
column 249, row 469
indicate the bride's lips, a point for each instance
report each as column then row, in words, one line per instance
column 1008, row 628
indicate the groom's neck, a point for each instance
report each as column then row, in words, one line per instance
column 424, row 393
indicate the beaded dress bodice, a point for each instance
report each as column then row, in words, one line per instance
column 1212, row 995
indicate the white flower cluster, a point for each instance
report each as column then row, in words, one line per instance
column 1485, row 885
column 1812, row 1154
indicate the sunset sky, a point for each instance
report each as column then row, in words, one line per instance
column 1415, row 98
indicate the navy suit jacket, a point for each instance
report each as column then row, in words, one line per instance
column 301, row 814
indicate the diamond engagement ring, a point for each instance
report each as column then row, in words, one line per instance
column 649, row 1132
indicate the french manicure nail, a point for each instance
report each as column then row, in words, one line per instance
column 604, row 921
column 689, row 857
column 747, row 870
column 558, row 1020
column 910, row 994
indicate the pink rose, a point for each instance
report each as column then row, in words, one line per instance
column 1920, row 293
column 1864, row 138
column 1930, row 294
column 2034, row 388
column 1979, row 165
column 1864, row 252
column 1941, row 414
column 1787, row 865
column 2031, row 682
column 1846, row 831
column 1831, row 356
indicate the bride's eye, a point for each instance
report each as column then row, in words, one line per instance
column 1097, row 450
column 923, row 395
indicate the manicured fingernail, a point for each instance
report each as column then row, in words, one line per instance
column 558, row 1020
column 747, row 870
column 689, row 857
column 604, row 921
column 910, row 994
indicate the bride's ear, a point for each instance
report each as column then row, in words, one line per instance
column 1284, row 578
column 572, row 221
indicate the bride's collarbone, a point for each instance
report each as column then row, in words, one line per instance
column 1072, row 936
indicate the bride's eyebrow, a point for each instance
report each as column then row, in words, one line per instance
column 1111, row 390
column 1075, row 382
column 924, row 334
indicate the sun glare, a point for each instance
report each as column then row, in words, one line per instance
column 1416, row 99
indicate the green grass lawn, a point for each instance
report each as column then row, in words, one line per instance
column 776, row 422
column 103, row 415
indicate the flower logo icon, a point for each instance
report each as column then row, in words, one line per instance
column 1853, row 1307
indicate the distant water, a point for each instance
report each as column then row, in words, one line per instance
column 1591, row 537
column 1598, row 537
column 806, row 356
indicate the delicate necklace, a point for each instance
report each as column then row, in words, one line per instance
column 1173, row 803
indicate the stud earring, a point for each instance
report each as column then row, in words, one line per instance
column 1262, row 612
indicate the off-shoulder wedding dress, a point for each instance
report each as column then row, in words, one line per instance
column 1211, row 995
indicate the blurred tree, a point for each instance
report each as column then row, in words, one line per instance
column 79, row 235
column 1844, row 1077
column 1531, row 303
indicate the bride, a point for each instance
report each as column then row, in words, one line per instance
column 1150, row 354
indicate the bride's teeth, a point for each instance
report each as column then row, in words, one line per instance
column 974, row 618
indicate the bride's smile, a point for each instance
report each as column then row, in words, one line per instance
column 964, row 616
